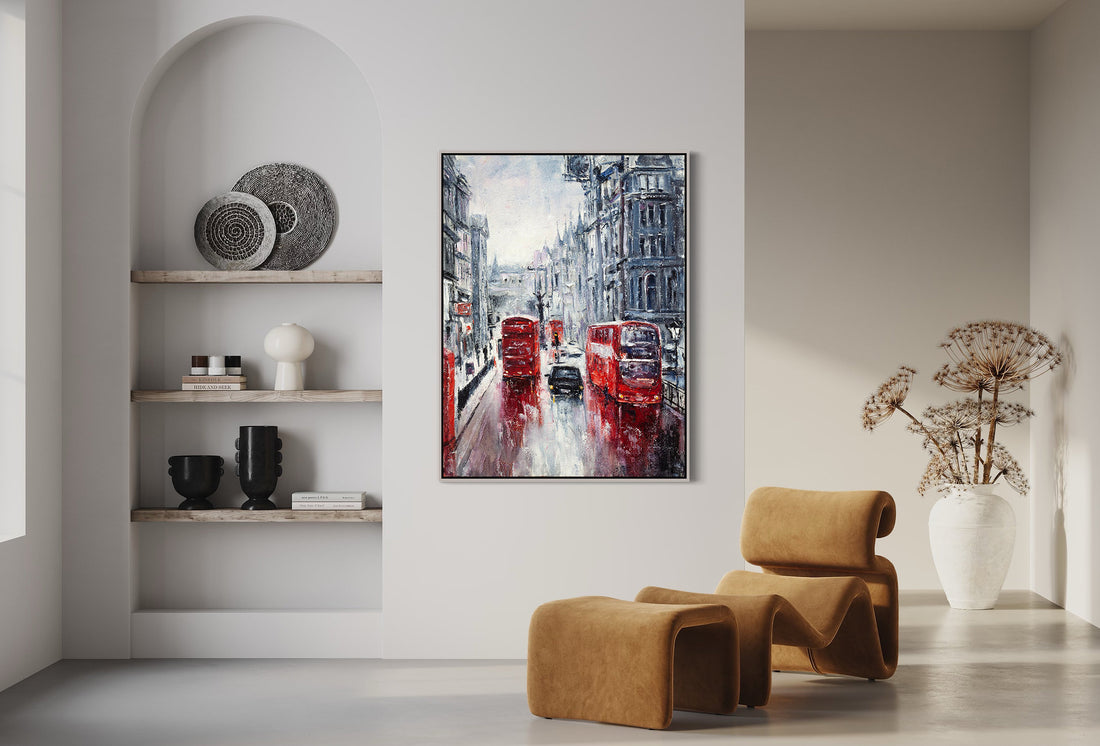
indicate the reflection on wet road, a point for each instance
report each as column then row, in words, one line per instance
column 519, row 429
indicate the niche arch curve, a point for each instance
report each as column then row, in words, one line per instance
column 238, row 93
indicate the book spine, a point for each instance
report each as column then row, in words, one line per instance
column 334, row 505
column 322, row 496
column 214, row 379
column 214, row 387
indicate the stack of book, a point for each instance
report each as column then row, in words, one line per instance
column 215, row 383
column 328, row 500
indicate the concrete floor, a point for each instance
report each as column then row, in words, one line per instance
column 1024, row 673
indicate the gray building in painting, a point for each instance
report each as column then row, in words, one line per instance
column 466, row 313
column 625, row 255
column 654, row 259
column 456, row 241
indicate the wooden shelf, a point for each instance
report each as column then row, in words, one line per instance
column 235, row 515
column 260, row 276
column 315, row 395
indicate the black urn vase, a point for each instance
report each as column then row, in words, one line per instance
column 258, row 458
column 195, row 478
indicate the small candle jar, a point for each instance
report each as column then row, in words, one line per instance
column 233, row 365
column 217, row 365
column 200, row 365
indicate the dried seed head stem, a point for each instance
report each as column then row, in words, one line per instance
column 994, row 357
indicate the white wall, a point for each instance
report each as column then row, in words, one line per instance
column 886, row 203
column 1065, row 262
column 30, row 566
column 13, row 280
column 464, row 564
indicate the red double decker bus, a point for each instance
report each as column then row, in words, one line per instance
column 519, row 343
column 624, row 359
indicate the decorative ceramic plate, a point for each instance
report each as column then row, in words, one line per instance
column 235, row 230
column 304, row 211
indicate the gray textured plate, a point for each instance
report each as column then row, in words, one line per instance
column 304, row 211
column 235, row 230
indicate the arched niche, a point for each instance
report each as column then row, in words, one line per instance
column 224, row 100
column 239, row 94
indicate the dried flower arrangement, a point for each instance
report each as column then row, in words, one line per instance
column 987, row 357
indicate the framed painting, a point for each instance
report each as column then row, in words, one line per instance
column 564, row 316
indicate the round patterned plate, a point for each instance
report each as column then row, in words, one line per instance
column 235, row 231
column 304, row 210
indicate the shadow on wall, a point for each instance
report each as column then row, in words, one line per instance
column 1063, row 382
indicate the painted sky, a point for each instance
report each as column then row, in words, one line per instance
column 524, row 198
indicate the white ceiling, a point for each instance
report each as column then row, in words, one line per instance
column 899, row 15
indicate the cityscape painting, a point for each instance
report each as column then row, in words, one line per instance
column 564, row 316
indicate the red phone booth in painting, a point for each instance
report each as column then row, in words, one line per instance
column 624, row 359
column 554, row 333
column 448, row 396
column 519, row 338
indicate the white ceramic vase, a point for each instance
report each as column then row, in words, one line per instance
column 288, row 345
column 972, row 532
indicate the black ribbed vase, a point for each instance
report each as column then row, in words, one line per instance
column 258, row 458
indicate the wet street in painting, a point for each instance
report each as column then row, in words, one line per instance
column 519, row 429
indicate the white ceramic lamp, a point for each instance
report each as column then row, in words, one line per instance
column 288, row 345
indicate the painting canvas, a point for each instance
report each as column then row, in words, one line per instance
column 564, row 316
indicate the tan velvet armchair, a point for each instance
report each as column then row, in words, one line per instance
column 824, row 602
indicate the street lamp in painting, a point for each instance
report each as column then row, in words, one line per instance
column 675, row 326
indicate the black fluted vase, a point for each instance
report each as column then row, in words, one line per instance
column 258, row 458
column 195, row 478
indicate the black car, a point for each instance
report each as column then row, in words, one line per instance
column 565, row 380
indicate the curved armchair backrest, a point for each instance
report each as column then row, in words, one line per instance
column 801, row 528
